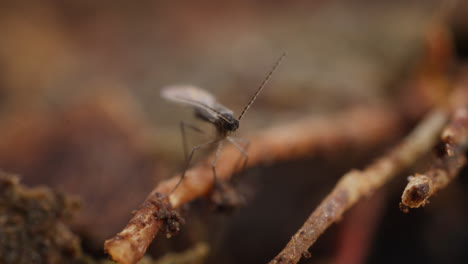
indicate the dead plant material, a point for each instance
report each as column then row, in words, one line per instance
column 32, row 225
column 370, row 126
column 171, row 218
column 195, row 255
column 359, row 230
column 449, row 158
column 359, row 183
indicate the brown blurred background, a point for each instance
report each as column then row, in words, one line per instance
column 80, row 111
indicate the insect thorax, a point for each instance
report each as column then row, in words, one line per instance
column 224, row 122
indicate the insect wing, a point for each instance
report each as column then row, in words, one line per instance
column 204, row 102
column 187, row 94
column 222, row 109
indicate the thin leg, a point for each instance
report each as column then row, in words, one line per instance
column 225, row 196
column 239, row 139
column 242, row 150
column 184, row 125
column 215, row 160
column 188, row 161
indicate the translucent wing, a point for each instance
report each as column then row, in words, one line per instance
column 188, row 94
column 203, row 101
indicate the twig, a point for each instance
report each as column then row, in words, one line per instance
column 449, row 159
column 356, row 184
column 359, row 127
column 358, row 230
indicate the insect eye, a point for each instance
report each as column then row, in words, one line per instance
column 233, row 124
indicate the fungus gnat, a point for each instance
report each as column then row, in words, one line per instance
column 208, row 109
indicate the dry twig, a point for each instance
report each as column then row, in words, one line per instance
column 356, row 184
column 370, row 126
column 359, row 229
column 449, row 158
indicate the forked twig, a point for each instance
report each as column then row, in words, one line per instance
column 359, row 183
column 449, row 158
column 370, row 126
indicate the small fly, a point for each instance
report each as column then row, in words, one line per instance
column 209, row 110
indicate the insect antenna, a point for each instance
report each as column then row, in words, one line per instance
column 278, row 62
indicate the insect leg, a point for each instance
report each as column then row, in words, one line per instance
column 225, row 196
column 184, row 125
column 215, row 160
column 188, row 161
column 242, row 150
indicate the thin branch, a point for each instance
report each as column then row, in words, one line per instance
column 356, row 234
column 449, row 158
column 358, row 127
column 359, row 183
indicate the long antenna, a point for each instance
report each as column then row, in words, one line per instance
column 278, row 62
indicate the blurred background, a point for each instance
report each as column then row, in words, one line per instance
column 80, row 111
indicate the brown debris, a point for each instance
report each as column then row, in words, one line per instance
column 371, row 125
column 360, row 183
column 171, row 218
column 32, row 225
column 449, row 158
